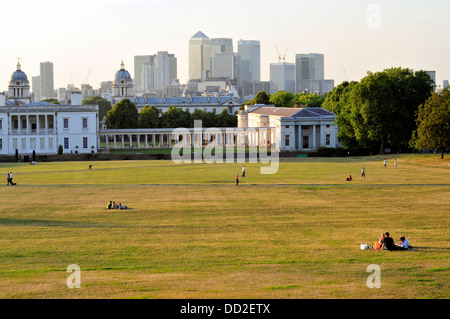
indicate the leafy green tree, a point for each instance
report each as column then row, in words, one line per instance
column 104, row 106
column 433, row 122
column 123, row 115
column 208, row 118
column 51, row 100
column 379, row 111
column 307, row 100
column 226, row 120
column 261, row 98
column 281, row 99
column 175, row 117
column 149, row 117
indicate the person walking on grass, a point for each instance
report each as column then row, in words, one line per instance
column 363, row 173
column 237, row 179
column 11, row 178
column 243, row 171
column 395, row 163
column 385, row 162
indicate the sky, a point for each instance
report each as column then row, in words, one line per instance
column 87, row 39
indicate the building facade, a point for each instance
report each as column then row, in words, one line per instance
column 296, row 129
column 282, row 77
column 47, row 81
column 28, row 126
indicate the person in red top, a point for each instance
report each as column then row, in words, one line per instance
column 237, row 179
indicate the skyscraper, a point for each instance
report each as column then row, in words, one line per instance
column 165, row 69
column 250, row 51
column 308, row 67
column 227, row 66
column 139, row 62
column 199, row 56
column 282, row 77
column 46, row 74
column 36, row 87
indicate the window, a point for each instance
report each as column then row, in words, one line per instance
column 42, row 143
column 32, row 143
column 1, row 144
column 66, row 123
column 1, row 127
column 85, row 142
column 287, row 126
column 15, row 143
column 85, row 122
column 327, row 139
column 328, row 126
column 23, row 143
column 286, row 140
column 15, row 124
column 24, row 123
column 50, row 143
column 66, row 142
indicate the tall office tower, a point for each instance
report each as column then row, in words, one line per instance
column 445, row 84
column 47, row 87
column 199, row 56
column 227, row 66
column 221, row 45
column 250, row 52
column 36, row 87
column 165, row 69
column 139, row 62
column 308, row 67
column 432, row 75
column 282, row 77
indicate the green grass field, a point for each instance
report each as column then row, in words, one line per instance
column 191, row 233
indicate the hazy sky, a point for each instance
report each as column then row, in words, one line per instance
column 87, row 39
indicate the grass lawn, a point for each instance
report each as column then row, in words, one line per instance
column 294, row 234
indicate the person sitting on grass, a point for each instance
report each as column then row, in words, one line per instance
column 349, row 179
column 388, row 243
column 122, row 206
column 110, row 205
column 404, row 244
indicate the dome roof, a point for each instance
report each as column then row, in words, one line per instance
column 19, row 76
column 123, row 75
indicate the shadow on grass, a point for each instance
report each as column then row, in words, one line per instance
column 50, row 223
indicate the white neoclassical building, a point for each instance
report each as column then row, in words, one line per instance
column 297, row 129
column 28, row 126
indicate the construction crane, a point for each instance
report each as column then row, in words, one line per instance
column 87, row 77
column 279, row 55
column 284, row 55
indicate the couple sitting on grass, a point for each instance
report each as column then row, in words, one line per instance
column 113, row 205
column 386, row 242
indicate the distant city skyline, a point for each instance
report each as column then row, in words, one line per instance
column 86, row 44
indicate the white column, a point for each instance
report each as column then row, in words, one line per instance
column 314, row 137
column 322, row 135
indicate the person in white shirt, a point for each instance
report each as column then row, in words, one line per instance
column 243, row 171
column 385, row 162
column 404, row 244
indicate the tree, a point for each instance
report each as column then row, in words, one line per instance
column 433, row 122
column 175, row 117
column 208, row 118
column 104, row 106
column 261, row 98
column 379, row 111
column 51, row 100
column 307, row 100
column 226, row 120
column 281, row 99
column 149, row 117
column 123, row 115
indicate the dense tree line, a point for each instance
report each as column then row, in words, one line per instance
column 103, row 105
column 288, row 99
column 379, row 111
column 124, row 115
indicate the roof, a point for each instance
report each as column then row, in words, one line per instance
column 292, row 112
column 199, row 34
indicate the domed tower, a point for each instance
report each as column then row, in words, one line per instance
column 122, row 84
column 19, row 87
